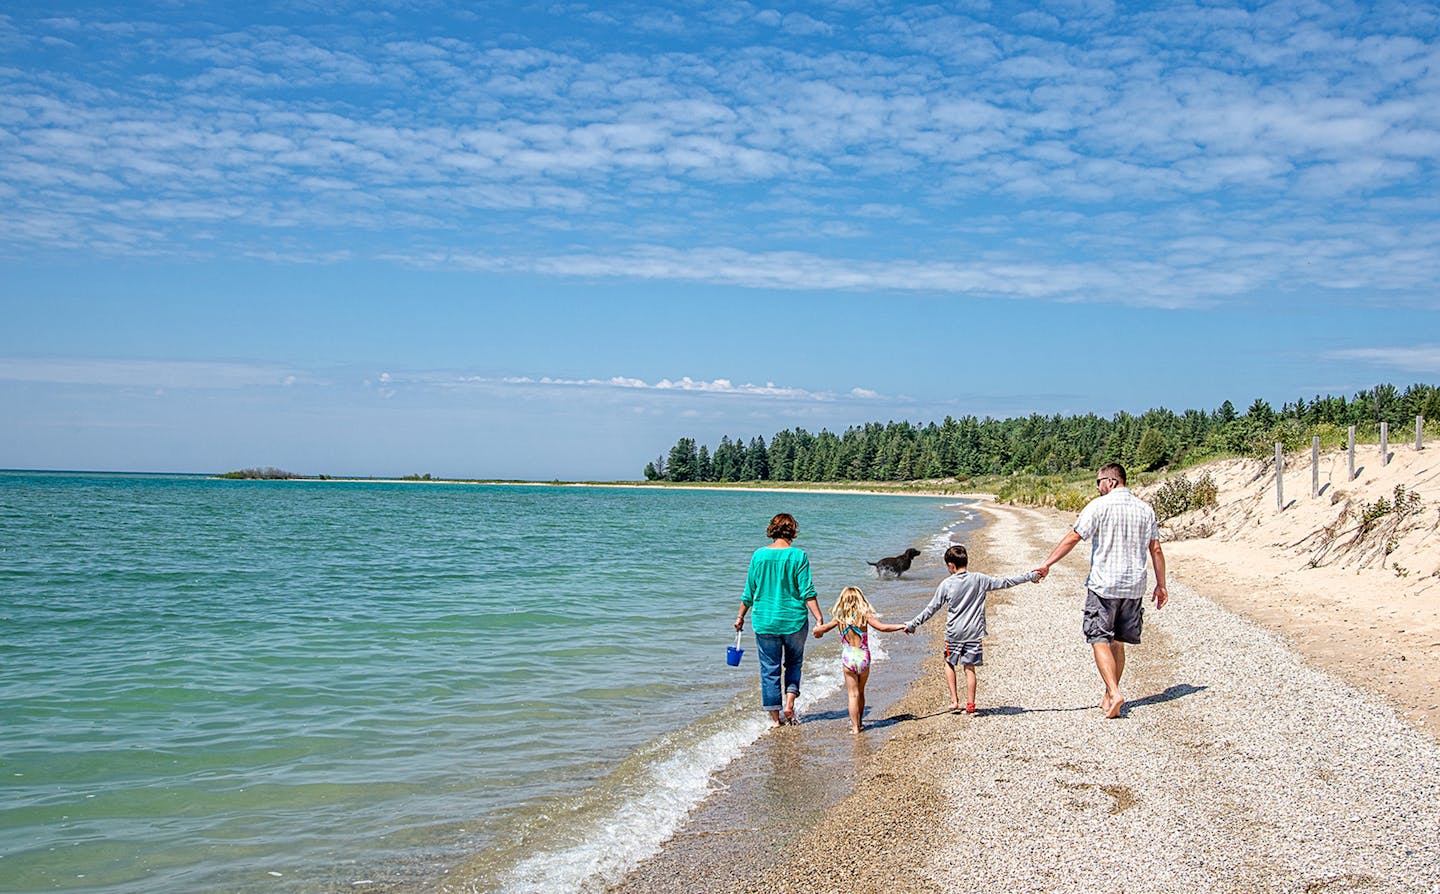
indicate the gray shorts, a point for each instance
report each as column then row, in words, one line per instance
column 970, row 654
column 1112, row 620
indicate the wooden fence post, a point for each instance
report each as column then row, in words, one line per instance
column 1419, row 432
column 1384, row 443
column 1279, row 477
column 1315, row 466
column 1350, row 438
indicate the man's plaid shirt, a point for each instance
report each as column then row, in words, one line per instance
column 1119, row 527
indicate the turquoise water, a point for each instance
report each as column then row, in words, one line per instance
column 308, row 686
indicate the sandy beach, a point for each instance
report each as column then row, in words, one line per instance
column 1280, row 733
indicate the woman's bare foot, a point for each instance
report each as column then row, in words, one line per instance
column 775, row 722
column 789, row 712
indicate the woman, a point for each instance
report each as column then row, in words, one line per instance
column 779, row 589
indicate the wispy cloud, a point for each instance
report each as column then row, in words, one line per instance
column 167, row 374
column 1421, row 359
column 916, row 148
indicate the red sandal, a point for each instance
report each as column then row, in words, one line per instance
column 969, row 707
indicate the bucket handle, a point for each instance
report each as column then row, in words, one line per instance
column 737, row 639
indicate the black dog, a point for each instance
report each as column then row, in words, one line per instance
column 895, row 565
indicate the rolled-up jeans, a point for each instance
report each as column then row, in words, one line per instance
column 780, row 652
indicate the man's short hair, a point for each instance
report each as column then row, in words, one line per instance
column 957, row 557
column 1114, row 470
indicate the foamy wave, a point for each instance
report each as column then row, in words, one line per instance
column 646, row 818
column 637, row 827
column 877, row 648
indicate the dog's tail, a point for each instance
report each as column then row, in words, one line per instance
column 868, row 562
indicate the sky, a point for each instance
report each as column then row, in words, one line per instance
column 546, row 240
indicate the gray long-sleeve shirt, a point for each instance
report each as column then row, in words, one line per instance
column 964, row 594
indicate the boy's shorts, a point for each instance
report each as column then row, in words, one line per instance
column 970, row 654
column 1112, row 620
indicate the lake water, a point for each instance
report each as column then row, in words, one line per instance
column 286, row 687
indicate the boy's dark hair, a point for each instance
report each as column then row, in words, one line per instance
column 957, row 557
column 782, row 527
column 1114, row 469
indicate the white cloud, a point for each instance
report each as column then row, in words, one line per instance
column 1136, row 283
column 1423, row 359
column 389, row 143
column 684, row 385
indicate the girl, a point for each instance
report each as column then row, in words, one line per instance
column 853, row 614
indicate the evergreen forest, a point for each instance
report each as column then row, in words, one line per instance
column 968, row 447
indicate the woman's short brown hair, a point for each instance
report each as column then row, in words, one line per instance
column 782, row 527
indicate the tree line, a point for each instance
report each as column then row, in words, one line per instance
column 967, row 446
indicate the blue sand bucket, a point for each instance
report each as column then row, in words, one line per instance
column 733, row 653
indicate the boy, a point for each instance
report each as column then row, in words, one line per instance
column 964, row 594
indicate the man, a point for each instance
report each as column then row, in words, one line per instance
column 1122, row 530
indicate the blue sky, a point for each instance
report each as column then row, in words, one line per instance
column 546, row 240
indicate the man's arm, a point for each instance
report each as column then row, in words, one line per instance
column 1157, row 558
column 1062, row 549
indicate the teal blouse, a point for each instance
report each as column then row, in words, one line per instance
column 776, row 589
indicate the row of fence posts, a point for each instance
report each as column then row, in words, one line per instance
column 1350, row 450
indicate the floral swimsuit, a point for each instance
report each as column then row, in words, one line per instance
column 853, row 658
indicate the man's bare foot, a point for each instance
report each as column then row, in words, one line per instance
column 1113, row 709
column 854, row 730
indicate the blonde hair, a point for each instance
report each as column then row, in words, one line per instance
column 852, row 607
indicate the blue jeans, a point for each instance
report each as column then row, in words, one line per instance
column 776, row 652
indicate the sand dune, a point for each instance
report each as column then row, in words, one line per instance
column 1358, row 597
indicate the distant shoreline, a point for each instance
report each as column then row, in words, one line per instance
column 854, row 489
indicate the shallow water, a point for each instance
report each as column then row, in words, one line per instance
column 296, row 686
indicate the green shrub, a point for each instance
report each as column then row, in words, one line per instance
column 1205, row 493
column 1406, row 502
column 1178, row 495
column 1043, row 490
column 1172, row 497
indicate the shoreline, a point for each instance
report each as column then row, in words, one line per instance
column 788, row 780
